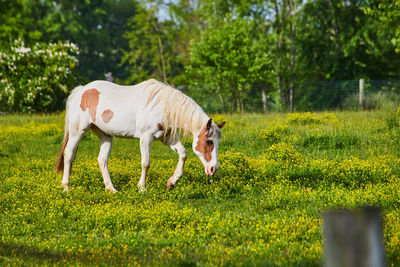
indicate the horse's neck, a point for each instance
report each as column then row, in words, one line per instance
column 183, row 114
column 196, row 130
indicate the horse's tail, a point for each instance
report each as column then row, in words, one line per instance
column 59, row 167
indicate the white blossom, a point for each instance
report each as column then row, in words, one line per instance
column 23, row 50
column 36, row 72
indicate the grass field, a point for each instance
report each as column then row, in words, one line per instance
column 278, row 174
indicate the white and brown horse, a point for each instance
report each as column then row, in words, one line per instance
column 149, row 111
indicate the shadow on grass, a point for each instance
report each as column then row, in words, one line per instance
column 15, row 254
column 26, row 253
column 11, row 253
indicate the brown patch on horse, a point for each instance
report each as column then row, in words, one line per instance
column 107, row 115
column 204, row 145
column 59, row 167
column 90, row 100
column 167, row 134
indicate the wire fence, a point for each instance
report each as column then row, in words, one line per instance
column 325, row 95
column 388, row 86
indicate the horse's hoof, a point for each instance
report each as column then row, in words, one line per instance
column 170, row 185
column 65, row 187
column 112, row 190
column 142, row 189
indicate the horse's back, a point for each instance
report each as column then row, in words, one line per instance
column 115, row 109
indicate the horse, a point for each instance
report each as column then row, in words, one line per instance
column 150, row 110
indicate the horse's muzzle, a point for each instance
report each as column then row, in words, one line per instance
column 211, row 169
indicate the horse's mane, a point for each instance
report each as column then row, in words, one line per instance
column 180, row 112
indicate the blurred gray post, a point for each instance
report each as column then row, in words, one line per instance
column 361, row 94
column 354, row 238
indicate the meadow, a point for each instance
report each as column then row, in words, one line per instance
column 279, row 173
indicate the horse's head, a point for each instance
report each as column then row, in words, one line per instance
column 205, row 146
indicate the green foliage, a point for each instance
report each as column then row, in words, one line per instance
column 20, row 20
column 224, row 53
column 96, row 26
column 230, row 58
column 344, row 55
column 388, row 13
column 151, row 49
column 338, row 41
column 37, row 78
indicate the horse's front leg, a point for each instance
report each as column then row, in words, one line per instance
column 145, row 144
column 176, row 145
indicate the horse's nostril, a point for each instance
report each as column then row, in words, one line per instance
column 212, row 169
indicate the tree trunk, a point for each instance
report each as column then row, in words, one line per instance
column 264, row 98
column 161, row 51
column 292, row 56
column 160, row 46
column 222, row 101
column 278, row 52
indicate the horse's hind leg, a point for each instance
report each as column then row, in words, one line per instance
column 105, row 148
column 69, row 155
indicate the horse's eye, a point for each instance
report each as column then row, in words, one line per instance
column 209, row 142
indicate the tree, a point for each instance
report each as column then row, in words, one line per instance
column 151, row 48
column 284, row 16
column 340, row 42
column 188, row 19
column 388, row 13
column 230, row 57
column 96, row 26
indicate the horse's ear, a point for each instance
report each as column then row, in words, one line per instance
column 208, row 126
column 221, row 125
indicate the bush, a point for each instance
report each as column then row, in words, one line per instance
column 275, row 133
column 230, row 58
column 284, row 153
column 392, row 121
column 36, row 79
column 236, row 172
column 375, row 101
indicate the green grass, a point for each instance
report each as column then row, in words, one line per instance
column 279, row 173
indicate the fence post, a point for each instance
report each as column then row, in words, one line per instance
column 354, row 238
column 361, row 93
